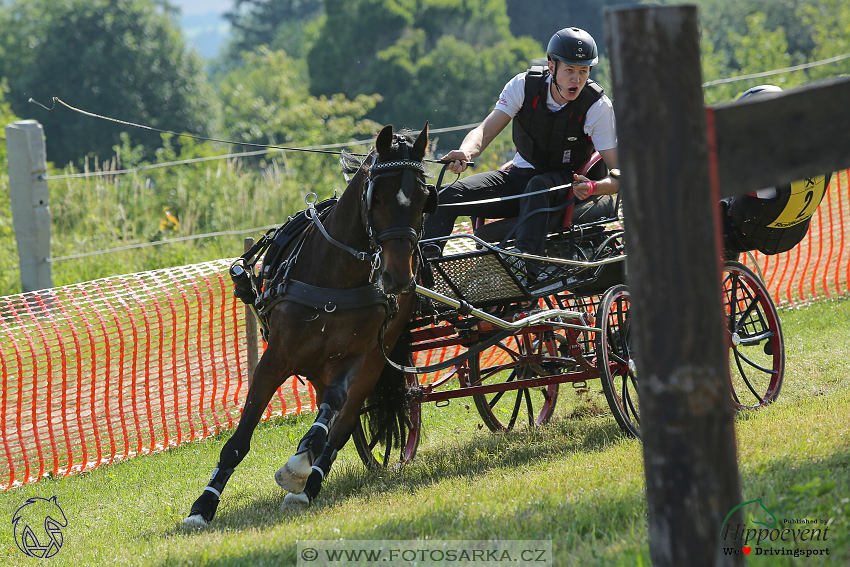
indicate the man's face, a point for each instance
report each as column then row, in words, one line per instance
column 571, row 78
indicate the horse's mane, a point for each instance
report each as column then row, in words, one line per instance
column 351, row 164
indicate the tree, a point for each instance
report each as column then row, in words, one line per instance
column 441, row 60
column 540, row 19
column 830, row 22
column 119, row 58
column 267, row 101
column 279, row 24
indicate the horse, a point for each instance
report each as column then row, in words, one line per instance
column 326, row 323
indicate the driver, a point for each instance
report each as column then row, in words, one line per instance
column 561, row 117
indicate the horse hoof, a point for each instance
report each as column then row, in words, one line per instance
column 295, row 502
column 195, row 522
column 294, row 474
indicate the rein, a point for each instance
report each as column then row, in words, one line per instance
column 202, row 138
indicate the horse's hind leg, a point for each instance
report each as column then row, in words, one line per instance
column 266, row 382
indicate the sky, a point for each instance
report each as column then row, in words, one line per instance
column 196, row 7
column 203, row 25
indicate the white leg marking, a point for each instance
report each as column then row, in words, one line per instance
column 195, row 522
column 293, row 475
column 295, row 502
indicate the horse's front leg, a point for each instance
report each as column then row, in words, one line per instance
column 266, row 381
column 312, row 456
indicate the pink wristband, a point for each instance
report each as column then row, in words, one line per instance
column 592, row 185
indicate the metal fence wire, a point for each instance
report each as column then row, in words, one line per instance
column 102, row 371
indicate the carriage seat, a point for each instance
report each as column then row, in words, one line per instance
column 594, row 208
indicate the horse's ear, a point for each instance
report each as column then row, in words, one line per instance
column 384, row 143
column 420, row 146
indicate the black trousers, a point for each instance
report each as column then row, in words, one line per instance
column 531, row 234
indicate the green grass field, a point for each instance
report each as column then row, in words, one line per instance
column 577, row 481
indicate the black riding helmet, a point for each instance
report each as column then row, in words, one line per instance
column 573, row 46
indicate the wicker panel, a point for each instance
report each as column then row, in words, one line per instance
column 480, row 279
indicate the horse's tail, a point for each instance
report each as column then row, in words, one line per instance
column 388, row 415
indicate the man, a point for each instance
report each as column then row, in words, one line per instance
column 560, row 117
column 771, row 220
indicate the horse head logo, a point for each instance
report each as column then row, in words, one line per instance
column 38, row 527
column 758, row 501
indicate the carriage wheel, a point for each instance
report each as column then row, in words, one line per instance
column 757, row 349
column 374, row 452
column 615, row 358
column 502, row 411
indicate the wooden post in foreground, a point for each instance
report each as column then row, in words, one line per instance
column 250, row 330
column 674, row 281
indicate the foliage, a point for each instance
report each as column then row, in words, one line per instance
column 438, row 60
column 720, row 18
column 830, row 22
column 267, row 101
column 120, row 58
column 815, row 31
column 540, row 19
column 278, row 24
column 6, row 117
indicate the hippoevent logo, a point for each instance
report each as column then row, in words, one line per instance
column 774, row 537
column 38, row 527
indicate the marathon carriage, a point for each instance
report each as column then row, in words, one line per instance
column 520, row 326
column 522, row 337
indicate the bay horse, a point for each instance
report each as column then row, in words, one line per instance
column 332, row 307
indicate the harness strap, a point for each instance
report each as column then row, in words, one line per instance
column 329, row 299
column 313, row 215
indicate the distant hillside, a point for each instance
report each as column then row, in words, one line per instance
column 206, row 32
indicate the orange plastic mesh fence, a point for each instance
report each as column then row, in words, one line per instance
column 819, row 267
column 102, row 371
column 99, row 372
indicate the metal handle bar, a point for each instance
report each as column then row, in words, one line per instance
column 496, row 249
column 544, row 317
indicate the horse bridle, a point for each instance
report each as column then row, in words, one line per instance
column 406, row 167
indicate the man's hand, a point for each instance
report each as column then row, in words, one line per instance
column 458, row 159
column 583, row 190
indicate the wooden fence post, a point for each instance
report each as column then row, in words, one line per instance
column 30, row 202
column 251, row 330
column 674, row 280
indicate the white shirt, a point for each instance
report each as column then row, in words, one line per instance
column 600, row 124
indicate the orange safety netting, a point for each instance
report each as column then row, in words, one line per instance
column 102, row 371
column 819, row 267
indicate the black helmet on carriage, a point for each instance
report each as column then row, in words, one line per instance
column 573, row 46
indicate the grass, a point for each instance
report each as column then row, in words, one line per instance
column 578, row 481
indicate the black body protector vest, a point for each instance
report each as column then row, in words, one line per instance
column 553, row 140
column 776, row 225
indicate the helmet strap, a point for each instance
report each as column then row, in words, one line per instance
column 555, row 81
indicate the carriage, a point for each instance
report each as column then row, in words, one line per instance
column 522, row 339
column 349, row 270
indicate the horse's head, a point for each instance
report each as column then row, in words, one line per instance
column 394, row 200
